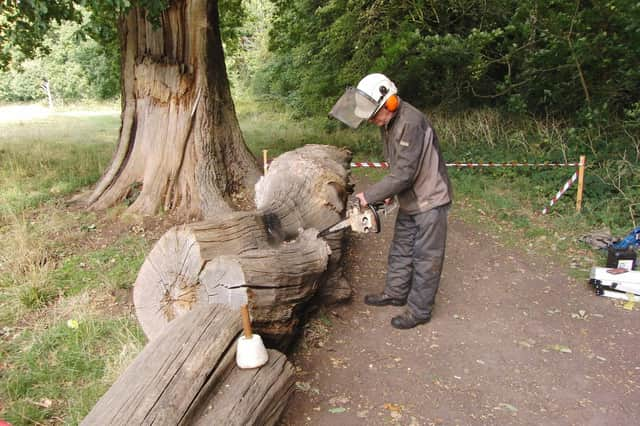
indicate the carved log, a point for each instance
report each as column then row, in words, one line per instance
column 243, row 257
column 187, row 373
column 308, row 188
column 275, row 283
column 188, row 376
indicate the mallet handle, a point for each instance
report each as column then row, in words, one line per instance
column 246, row 321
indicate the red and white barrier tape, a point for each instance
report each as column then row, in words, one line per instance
column 561, row 192
column 382, row 165
column 554, row 200
column 385, row 165
column 513, row 164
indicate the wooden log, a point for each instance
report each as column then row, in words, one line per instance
column 305, row 188
column 275, row 283
column 258, row 395
column 187, row 373
column 188, row 376
column 167, row 285
column 308, row 188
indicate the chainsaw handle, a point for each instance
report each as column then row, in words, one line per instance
column 374, row 210
column 379, row 205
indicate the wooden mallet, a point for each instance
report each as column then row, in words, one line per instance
column 250, row 351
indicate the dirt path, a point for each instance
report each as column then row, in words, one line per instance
column 513, row 341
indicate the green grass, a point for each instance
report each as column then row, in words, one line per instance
column 43, row 268
column 51, row 361
column 56, row 375
column 49, row 156
column 277, row 132
column 114, row 267
column 52, row 273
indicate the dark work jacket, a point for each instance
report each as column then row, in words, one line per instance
column 418, row 173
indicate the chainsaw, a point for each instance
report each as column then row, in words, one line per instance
column 363, row 220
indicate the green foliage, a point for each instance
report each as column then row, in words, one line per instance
column 75, row 68
column 23, row 24
column 232, row 16
column 34, row 296
column 78, row 50
column 554, row 57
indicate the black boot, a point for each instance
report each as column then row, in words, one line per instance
column 406, row 320
column 381, row 299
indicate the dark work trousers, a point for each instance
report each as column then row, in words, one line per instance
column 416, row 257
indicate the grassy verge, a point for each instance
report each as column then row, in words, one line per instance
column 45, row 156
column 65, row 275
column 56, row 374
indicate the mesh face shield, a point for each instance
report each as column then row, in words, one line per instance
column 354, row 107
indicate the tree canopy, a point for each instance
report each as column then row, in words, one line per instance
column 554, row 56
column 75, row 44
column 551, row 57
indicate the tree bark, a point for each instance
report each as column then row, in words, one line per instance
column 189, row 376
column 180, row 144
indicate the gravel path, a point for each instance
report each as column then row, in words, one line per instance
column 513, row 341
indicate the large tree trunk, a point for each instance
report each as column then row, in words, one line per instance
column 180, row 145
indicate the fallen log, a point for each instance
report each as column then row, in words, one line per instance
column 193, row 281
column 305, row 188
column 275, row 283
column 188, row 376
column 168, row 283
column 308, row 188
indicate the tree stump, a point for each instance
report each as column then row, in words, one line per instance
column 188, row 376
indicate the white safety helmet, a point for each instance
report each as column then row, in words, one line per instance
column 364, row 101
column 378, row 88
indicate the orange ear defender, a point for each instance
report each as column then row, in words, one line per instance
column 392, row 103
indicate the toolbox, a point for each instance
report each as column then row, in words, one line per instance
column 615, row 282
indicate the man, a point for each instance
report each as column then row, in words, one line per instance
column 418, row 178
